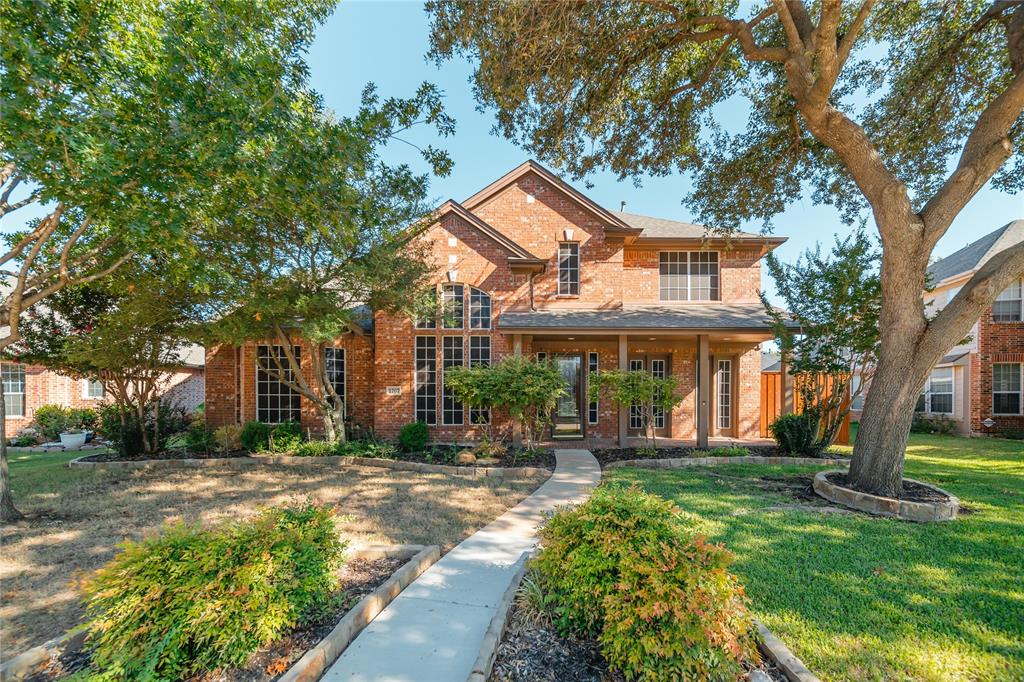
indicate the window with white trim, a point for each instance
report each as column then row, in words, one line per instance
column 13, row 376
column 856, row 394
column 636, row 410
column 479, row 356
column 592, row 409
column 479, row 309
column 451, row 356
column 276, row 400
column 658, row 371
column 725, row 394
column 568, row 269
column 453, row 306
column 334, row 365
column 429, row 321
column 1008, row 305
column 688, row 276
column 92, row 389
column 425, row 378
column 937, row 395
column 1007, row 386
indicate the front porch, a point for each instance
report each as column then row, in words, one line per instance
column 596, row 443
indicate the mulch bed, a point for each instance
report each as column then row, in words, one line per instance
column 166, row 454
column 911, row 492
column 534, row 652
column 607, row 455
column 358, row 578
column 544, row 459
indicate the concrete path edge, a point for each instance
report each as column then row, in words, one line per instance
column 496, row 630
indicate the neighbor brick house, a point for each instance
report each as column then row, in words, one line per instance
column 536, row 268
column 979, row 384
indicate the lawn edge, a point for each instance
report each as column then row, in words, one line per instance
column 496, row 630
column 774, row 648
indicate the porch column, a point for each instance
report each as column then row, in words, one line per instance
column 517, row 429
column 703, row 389
column 517, row 344
column 623, row 411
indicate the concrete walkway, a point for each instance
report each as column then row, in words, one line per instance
column 433, row 631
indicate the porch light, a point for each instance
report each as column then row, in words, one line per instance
column 651, row 339
column 571, row 338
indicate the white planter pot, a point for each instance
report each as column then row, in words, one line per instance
column 72, row 441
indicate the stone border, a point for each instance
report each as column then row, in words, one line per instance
column 315, row 661
column 892, row 507
column 290, row 460
column 791, row 666
column 496, row 630
column 683, row 462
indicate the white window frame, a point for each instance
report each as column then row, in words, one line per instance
column 725, row 394
column 284, row 391
column 480, row 309
column 13, row 376
column 1013, row 294
column 690, row 263
column 431, row 374
column 593, row 407
column 453, row 354
column 1019, row 392
column 479, row 356
column 87, row 385
column 450, row 302
column 339, row 354
column 567, row 252
column 928, row 393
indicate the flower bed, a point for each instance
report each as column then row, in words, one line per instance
column 609, row 455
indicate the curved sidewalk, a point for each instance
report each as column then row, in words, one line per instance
column 433, row 631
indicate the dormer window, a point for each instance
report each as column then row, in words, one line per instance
column 689, row 276
column 569, row 269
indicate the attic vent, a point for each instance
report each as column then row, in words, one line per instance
column 452, row 241
column 568, row 234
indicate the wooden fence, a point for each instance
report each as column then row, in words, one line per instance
column 772, row 401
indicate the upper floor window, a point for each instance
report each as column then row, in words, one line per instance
column 1006, row 387
column 569, row 269
column 689, row 276
column 91, row 388
column 937, row 395
column 479, row 309
column 14, row 389
column 429, row 321
column 452, row 306
column 1007, row 306
column 276, row 400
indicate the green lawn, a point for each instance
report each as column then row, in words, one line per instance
column 860, row 598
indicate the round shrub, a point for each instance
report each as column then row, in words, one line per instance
column 413, row 437
column 50, row 421
column 620, row 568
column 255, row 436
column 200, row 439
column 194, row 600
column 285, row 437
column 796, row 434
column 315, row 448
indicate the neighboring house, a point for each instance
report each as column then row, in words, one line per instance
column 26, row 387
column 982, row 379
column 534, row 267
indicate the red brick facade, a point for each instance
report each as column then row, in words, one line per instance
column 534, row 212
column 998, row 342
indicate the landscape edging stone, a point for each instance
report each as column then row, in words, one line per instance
column 683, row 462
column 496, row 630
column 774, row 648
column 905, row 510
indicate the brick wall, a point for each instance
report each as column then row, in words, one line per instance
column 739, row 274
column 997, row 342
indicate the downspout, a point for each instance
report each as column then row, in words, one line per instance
column 533, row 308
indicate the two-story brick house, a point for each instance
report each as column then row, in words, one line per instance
column 979, row 384
column 531, row 266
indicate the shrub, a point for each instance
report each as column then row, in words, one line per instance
column 255, row 436
column 620, row 568
column 285, row 437
column 200, row 439
column 413, row 437
column 193, row 600
column 51, row 421
column 23, row 441
column 83, row 418
column 938, row 424
column 796, row 434
column 1012, row 434
column 228, row 437
column 731, row 451
column 315, row 448
column 122, row 427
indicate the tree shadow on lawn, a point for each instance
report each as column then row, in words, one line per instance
column 867, row 597
column 74, row 527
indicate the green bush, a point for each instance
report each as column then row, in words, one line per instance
column 621, row 569
column 255, row 436
column 23, row 441
column 200, row 439
column 193, row 600
column 731, row 451
column 285, row 437
column 228, row 437
column 413, row 437
column 51, row 421
column 122, row 427
column 943, row 426
column 796, row 434
column 83, row 418
column 315, row 448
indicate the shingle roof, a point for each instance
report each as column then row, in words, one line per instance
column 691, row 317
column 771, row 362
column 977, row 253
column 663, row 228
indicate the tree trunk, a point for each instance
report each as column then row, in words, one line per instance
column 8, row 512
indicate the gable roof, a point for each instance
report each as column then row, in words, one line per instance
column 614, row 224
column 977, row 253
column 517, row 254
column 663, row 228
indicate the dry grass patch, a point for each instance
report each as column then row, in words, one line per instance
column 77, row 518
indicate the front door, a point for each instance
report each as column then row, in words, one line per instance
column 568, row 421
column 658, row 366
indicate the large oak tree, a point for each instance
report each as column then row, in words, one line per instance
column 898, row 110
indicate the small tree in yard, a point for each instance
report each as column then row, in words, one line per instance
column 528, row 390
column 642, row 390
column 829, row 332
column 898, row 110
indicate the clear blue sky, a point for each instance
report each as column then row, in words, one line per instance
column 386, row 42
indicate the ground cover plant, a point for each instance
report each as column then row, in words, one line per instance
column 76, row 519
column 862, row 598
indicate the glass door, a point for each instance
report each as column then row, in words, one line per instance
column 568, row 421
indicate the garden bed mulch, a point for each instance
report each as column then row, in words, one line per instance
column 608, row 455
column 534, row 652
column 542, row 459
column 911, row 491
column 359, row 577
column 166, row 454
